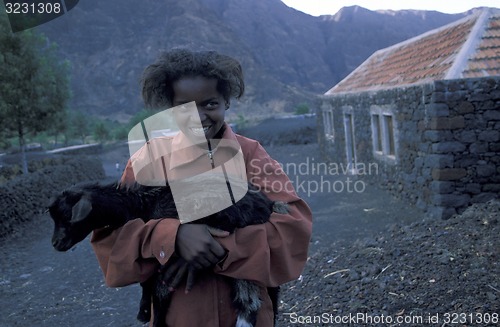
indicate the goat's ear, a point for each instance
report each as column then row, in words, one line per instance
column 81, row 210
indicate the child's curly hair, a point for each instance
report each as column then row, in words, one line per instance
column 157, row 79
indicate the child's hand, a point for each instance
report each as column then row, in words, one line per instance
column 176, row 271
column 196, row 245
column 217, row 232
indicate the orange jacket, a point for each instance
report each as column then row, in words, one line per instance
column 269, row 254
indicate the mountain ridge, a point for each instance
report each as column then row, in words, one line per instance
column 287, row 56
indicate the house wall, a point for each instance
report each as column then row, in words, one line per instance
column 447, row 141
column 463, row 131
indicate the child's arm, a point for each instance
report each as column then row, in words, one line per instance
column 274, row 252
column 131, row 253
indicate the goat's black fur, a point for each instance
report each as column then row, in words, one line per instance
column 85, row 207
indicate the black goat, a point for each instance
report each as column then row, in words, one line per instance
column 85, row 207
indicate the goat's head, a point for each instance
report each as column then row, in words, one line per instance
column 70, row 211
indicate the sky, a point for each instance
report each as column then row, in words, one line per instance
column 331, row 7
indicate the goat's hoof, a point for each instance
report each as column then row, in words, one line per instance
column 144, row 316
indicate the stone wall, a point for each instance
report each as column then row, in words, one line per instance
column 26, row 196
column 447, row 141
column 463, row 132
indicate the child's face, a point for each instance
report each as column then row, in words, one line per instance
column 210, row 103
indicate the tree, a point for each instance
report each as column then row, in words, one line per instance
column 301, row 109
column 59, row 127
column 80, row 125
column 34, row 87
column 101, row 132
column 120, row 133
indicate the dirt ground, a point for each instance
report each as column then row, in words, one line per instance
column 371, row 257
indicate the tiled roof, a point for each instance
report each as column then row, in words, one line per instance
column 466, row 48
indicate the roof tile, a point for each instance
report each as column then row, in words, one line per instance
column 432, row 56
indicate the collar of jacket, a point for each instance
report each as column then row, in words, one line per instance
column 184, row 152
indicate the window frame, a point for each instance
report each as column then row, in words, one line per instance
column 384, row 133
column 328, row 125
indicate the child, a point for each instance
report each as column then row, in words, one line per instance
column 269, row 254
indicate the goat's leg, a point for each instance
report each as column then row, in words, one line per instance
column 246, row 301
column 159, row 311
column 144, row 314
column 161, row 301
column 274, row 293
column 163, row 288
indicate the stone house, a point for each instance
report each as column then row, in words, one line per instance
column 427, row 112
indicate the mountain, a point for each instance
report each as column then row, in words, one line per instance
column 287, row 56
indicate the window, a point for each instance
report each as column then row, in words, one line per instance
column 389, row 136
column 377, row 134
column 328, row 124
column 383, row 134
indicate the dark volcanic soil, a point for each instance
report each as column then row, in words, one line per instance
column 431, row 272
column 371, row 257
